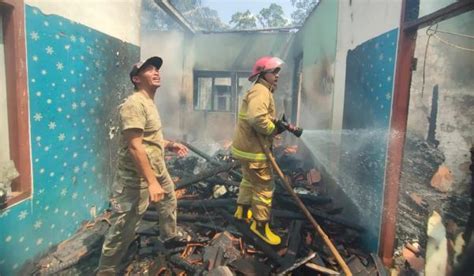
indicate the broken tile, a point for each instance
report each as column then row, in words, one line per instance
column 416, row 263
column 443, row 179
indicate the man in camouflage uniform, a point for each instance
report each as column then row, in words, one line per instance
column 142, row 175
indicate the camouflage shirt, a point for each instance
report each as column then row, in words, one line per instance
column 140, row 112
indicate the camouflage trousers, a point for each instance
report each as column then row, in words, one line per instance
column 256, row 188
column 129, row 205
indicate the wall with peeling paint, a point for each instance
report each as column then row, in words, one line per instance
column 440, row 118
column 316, row 41
column 76, row 77
column 450, row 68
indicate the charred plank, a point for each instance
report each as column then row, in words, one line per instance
column 210, row 203
column 217, row 228
column 319, row 215
column 294, row 244
column 297, row 264
column 306, row 198
column 204, row 175
column 210, row 159
column 182, row 263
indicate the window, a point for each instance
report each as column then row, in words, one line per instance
column 14, row 137
column 217, row 91
column 4, row 139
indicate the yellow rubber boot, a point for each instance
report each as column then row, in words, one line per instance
column 262, row 229
column 241, row 210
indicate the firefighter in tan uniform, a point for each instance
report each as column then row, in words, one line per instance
column 141, row 171
column 257, row 118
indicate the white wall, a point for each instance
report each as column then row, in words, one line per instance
column 117, row 18
column 359, row 21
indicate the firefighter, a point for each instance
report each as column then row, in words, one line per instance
column 257, row 118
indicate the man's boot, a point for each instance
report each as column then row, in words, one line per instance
column 262, row 229
column 243, row 212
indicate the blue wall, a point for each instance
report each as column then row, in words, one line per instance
column 367, row 105
column 76, row 76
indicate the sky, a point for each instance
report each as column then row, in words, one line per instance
column 226, row 8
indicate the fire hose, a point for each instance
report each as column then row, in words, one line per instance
column 303, row 208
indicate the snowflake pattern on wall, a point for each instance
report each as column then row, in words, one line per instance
column 73, row 73
column 367, row 105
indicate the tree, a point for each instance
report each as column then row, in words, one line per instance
column 303, row 8
column 154, row 18
column 204, row 18
column 243, row 20
column 201, row 18
column 272, row 17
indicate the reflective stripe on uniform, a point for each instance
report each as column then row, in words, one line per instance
column 271, row 128
column 242, row 116
column 249, row 155
column 265, row 201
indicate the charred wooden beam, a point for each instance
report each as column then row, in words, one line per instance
column 198, row 203
column 318, row 214
column 444, row 13
column 217, row 228
column 196, row 217
column 204, row 175
column 210, row 159
column 155, row 250
column 81, row 245
column 323, row 269
column 296, row 264
column 243, row 228
column 202, row 154
column 293, row 245
column 306, row 198
column 182, row 263
column 207, row 203
column 151, row 215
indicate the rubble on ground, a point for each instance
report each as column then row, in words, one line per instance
column 426, row 190
column 218, row 244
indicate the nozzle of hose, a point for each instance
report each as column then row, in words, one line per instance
column 297, row 131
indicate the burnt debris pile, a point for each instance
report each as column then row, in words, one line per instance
column 217, row 243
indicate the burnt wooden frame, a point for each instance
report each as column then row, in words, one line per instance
column 400, row 105
column 17, row 96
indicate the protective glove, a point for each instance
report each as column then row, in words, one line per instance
column 281, row 124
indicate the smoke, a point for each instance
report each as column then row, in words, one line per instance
column 175, row 77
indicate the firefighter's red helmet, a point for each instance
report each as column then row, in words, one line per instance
column 265, row 64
